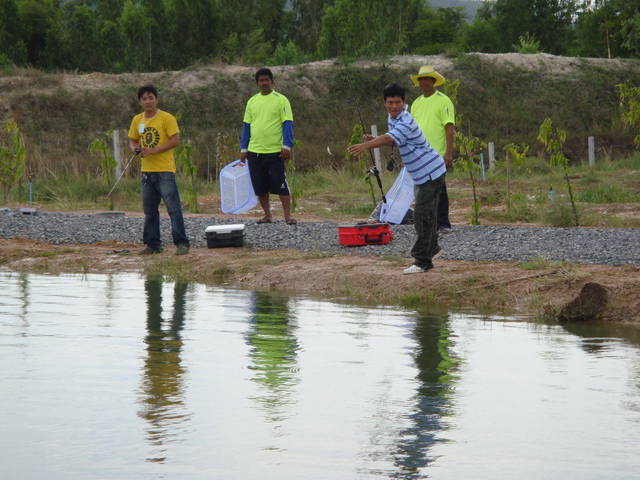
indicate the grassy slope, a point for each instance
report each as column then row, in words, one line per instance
column 502, row 98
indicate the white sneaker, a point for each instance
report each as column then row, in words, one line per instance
column 437, row 253
column 414, row 269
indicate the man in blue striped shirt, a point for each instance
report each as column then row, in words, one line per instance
column 423, row 163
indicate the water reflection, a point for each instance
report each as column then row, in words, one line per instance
column 436, row 375
column 212, row 383
column 273, row 353
column 599, row 337
column 162, row 388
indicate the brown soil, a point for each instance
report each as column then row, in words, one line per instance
column 497, row 286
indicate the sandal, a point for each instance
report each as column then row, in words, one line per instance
column 292, row 221
column 263, row 220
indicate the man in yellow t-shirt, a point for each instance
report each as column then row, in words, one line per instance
column 154, row 134
column 435, row 114
column 267, row 139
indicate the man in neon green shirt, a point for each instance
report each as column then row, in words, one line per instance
column 435, row 115
column 267, row 139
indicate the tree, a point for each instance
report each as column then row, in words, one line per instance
column 242, row 18
column 12, row 156
column 482, row 35
column 608, row 28
column 198, row 27
column 435, row 30
column 549, row 21
column 368, row 27
column 81, row 31
column 305, row 23
column 10, row 32
column 36, row 19
column 145, row 36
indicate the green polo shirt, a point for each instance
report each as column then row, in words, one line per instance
column 432, row 114
column 266, row 114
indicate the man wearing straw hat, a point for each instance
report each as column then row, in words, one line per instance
column 435, row 115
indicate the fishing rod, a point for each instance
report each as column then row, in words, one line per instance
column 136, row 151
column 373, row 171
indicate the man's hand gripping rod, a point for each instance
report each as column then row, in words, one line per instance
column 136, row 151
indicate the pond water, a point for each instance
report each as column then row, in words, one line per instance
column 127, row 377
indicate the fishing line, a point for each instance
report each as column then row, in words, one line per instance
column 373, row 171
column 136, row 152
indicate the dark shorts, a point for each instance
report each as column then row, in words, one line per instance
column 268, row 174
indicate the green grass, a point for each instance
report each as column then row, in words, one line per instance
column 608, row 194
column 605, row 194
column 538, row 263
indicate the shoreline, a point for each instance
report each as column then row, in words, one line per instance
column 506, row 287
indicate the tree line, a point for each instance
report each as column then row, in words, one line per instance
column 115, row 36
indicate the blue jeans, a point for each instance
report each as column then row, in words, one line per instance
column 156, row 186
column 425, row 221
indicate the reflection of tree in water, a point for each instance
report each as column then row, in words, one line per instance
column 273, row 353
column 25, row 294
column 436, row 367
column 601, row 337
column 162, row 390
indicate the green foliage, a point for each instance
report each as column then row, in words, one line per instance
column 226, row 149
column 538, row 263
column 288, row 54
column 630, row 108
column 6, row 65
column 561, row 215
column 356, row 138
column 608, row 194
column 609, row 29
column 108, row 164
column 470, row 148
column 553, row 139
column 365, row 27
column 437, row 30
column 250, row 48
column 296, row 190
column 527, row 44
column 12, row 157
column 153, row 35
column 188, row 167
column 508, row 21
column 518, row 154
column 305, row 23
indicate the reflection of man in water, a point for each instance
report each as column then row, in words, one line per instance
column 274, row 352
column 436, row 366
column 162, row 387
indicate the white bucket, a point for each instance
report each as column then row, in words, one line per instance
column 236, row 190
column 399, row 199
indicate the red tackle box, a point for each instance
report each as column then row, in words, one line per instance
column 364, row 234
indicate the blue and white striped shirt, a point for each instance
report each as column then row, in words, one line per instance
column 420, row 159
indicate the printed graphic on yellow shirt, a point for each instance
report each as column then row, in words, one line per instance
column 150, row 137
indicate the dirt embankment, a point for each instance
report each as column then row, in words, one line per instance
column 494, row 286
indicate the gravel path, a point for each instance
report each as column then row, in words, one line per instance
column 490, row 243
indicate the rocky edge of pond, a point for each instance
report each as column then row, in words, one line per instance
column 597, row 246
column 479, row 244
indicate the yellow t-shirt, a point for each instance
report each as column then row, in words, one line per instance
column 266, row 114
column 432, row 114
column 151, row 133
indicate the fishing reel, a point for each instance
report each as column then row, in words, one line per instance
column 391, row 164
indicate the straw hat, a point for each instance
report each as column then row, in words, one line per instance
column 427, row 71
